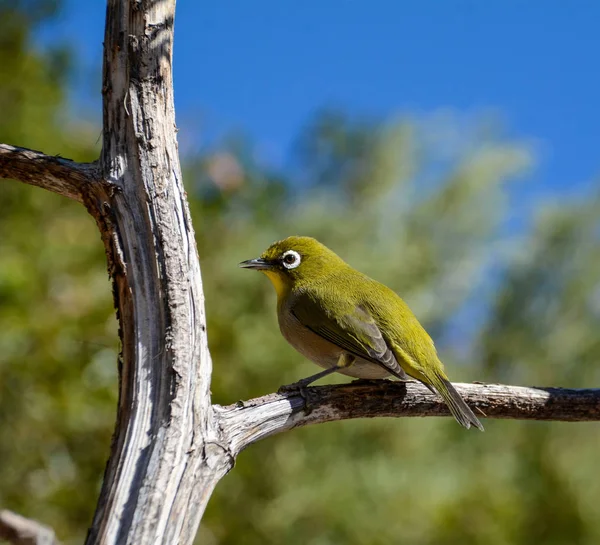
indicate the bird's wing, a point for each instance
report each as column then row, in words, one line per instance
column 355, row 331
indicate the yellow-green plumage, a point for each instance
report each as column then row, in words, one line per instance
column 347, row 322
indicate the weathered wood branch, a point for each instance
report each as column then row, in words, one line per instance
column 249, row 421
column 167, row 453
column 23, row 531
column 55, row 174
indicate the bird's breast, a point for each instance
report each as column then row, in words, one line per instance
column 308, row 343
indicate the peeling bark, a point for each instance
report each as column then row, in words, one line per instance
column 55, row 174
column 167, row 455
column 249, row 421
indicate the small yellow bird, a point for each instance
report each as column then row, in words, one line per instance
column 348, row 323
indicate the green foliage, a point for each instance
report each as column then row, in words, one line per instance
column 433, row 233
column 409, row 203
column 58, row 342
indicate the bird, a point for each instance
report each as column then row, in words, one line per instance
column 346, row 322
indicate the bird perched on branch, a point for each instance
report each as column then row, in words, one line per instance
column 348, row 323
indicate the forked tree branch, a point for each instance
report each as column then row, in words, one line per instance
column 53, row 173
column 19, row 530
column 249, row 421
column 167, row 454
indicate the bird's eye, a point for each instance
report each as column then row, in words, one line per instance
column 291, row 259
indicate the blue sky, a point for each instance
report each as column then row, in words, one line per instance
column 265, row 65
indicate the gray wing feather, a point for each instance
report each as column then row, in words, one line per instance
column 347, row 332
column 381, row 352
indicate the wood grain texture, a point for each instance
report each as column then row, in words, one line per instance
column 249, row 421
column 167, row 454
column 55, row 174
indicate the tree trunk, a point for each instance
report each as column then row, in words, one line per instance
column 167, row 455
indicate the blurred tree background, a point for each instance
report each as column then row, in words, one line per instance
column 423, row 205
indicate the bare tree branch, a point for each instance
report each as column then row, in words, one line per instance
column 249, row 421
column 23, row 531
column 55, row 174
column 167, row 454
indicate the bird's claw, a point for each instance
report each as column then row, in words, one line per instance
column 295, row 387
column 300, row 389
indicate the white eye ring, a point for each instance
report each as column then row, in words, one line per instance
column 289, row 263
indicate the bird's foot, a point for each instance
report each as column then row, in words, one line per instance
column 298, row 388
column 293, row 388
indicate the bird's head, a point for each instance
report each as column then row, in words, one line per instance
column 295, row 261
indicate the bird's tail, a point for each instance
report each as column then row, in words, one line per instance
column 459, row 409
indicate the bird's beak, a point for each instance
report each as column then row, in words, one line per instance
column 259, row 264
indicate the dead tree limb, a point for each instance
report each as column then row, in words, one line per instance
column 55, row 174
column 167, row 453
column 246, row 422
column 19, row 530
